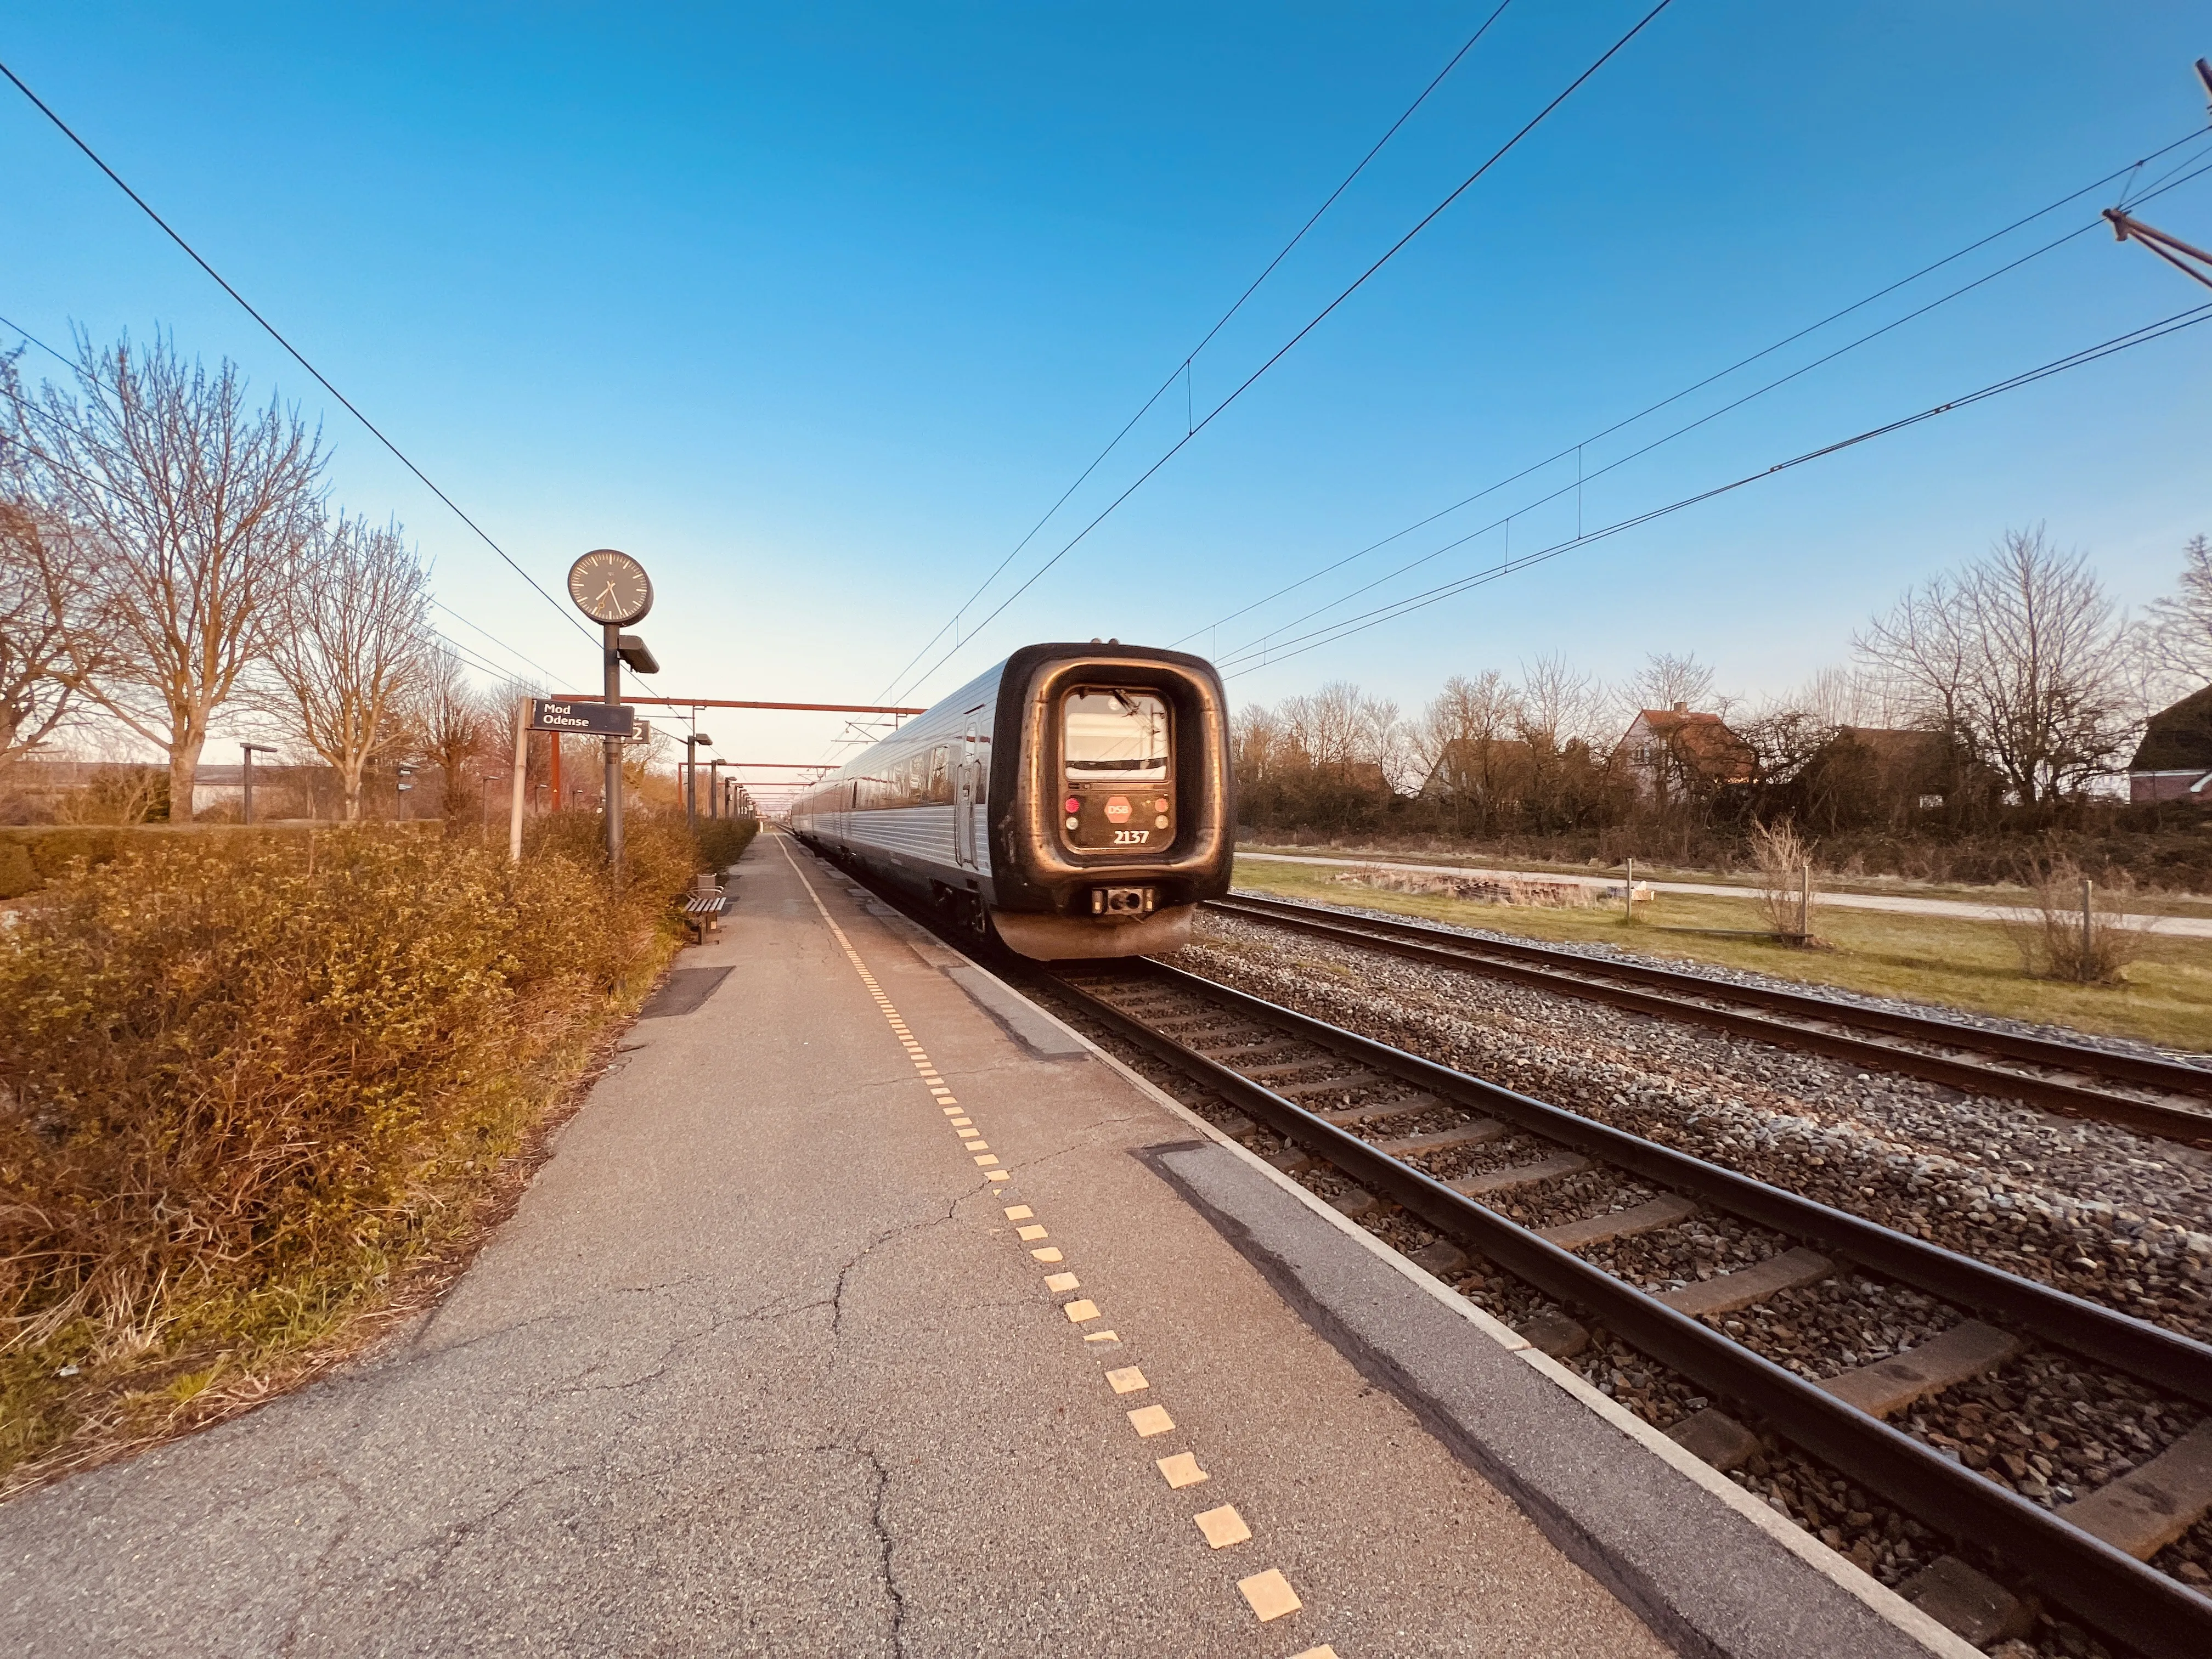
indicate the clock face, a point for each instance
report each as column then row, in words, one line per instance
column 610, row 587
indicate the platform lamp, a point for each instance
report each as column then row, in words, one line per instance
column 693, row 743
column 246, row 802
column 714, row 787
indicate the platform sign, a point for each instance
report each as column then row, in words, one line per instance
column 602, row 720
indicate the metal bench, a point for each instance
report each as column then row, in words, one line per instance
column 702, row 910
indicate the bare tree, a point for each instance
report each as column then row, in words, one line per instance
column 2180, row 633
column 2021, row 655
column 348, row 644
column 1666, row 680
column 1556, row 703
column 194, row 509
column 41, row 572
column 454, row 726
column 1459, row 741
column 35, row 683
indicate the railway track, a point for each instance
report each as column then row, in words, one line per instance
column 1449, row 1153
column 2164, row 1097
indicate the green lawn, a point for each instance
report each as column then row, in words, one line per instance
column 2167, row 997
column 2178, row 904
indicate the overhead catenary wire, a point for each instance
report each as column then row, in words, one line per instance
column 1319, row 317
column 2165, row 182
column 292, row 350
column 1259, row 644
column 1349, row 626
column 1182, row 369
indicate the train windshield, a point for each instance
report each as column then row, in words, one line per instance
column 1115, row 736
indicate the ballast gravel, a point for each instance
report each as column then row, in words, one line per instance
column 2092, row 1209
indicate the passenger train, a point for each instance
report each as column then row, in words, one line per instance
column 1075, row 800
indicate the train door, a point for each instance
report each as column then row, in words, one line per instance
column 963, row 802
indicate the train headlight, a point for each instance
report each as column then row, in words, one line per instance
column 1130, row 902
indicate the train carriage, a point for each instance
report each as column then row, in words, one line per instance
column 1074, row 800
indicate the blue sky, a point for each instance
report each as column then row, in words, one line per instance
column 817, row 310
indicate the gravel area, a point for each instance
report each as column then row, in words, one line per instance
column 1726, row 976
column 2092, row 1208
column 2039, row 1424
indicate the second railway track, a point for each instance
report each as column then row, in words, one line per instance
column 2164, row 1097
column 1452, row 1154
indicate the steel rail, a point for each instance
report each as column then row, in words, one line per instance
column 1572, row 973
column 2106, row 1587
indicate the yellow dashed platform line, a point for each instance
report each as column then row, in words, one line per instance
column 1269, row 1594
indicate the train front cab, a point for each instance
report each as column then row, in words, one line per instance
column 1118, row 818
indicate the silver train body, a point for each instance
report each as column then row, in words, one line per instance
column 1075, row 800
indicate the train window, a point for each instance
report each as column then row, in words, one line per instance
column 1111, row 735
column 941, row 775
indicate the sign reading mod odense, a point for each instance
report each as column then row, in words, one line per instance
column 601, row 718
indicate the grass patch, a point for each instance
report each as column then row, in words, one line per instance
column 2167, row 997
column 250, row 1087
column 2178, row 904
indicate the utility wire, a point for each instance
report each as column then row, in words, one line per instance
column 1182, row 371
column 1344, row 630
column 293, row 351
column 2159, row 188
column 1259, row 645
column 1283, row 350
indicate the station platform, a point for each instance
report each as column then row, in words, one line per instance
column 864, row 1310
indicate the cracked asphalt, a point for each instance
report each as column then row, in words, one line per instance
column 758, row 1368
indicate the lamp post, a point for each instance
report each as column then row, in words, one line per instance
column 245, row 806
column 714, row 788
column 400, row 787
column 693, row 743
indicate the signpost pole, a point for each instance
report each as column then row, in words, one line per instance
column 553, row 771
column 614, row 756
column 521, row 767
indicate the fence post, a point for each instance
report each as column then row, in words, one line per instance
column 2088, row 929
column 1628, row 894
column 1805, row 901
column 521, row 766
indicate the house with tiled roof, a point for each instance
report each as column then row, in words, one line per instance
column 2174, row 759
column 1669, row 752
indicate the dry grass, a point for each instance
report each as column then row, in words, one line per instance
column 2071, row 930
column 2167, row 998
column 1784, row 859
column 248, row 1087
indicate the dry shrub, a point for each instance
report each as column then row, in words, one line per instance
column 1781, row 856
column 2048, row 930
column 722, row 840
column 244, row 1078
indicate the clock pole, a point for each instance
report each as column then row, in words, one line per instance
column 613, row 633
